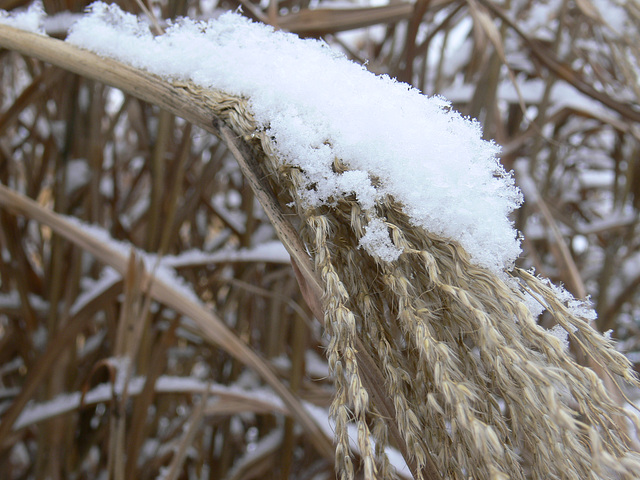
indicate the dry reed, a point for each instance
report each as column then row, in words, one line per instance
column 477, row 385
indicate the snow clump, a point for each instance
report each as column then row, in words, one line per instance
column 30, row 19
column 317, row 106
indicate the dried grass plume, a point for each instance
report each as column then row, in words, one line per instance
column 478, row 387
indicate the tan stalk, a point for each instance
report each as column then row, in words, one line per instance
column 560, row 69
column 430, row 352
column 133, row 321
column 195, row 106
column 212, row 328
column 175, row 192
column 141, row 404
column 320, row 21
column 229, row 401
column 63, row 340
column 174, row 470
column 158, row 180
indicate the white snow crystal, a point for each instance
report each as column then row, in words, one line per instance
column 78, row 174
column 580, row 308
column 376, row 241
column 562, row 335
column 317, row 106
column 30, row 19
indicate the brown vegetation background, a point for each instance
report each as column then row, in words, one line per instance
column 158, row 185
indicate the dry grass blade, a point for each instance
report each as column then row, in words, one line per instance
column 193, row 425
column 287, row 234
column 228, row 400
column 562, row 70
column 131, row 326
column 63, row 340
column 183, row 103
column 321, row 21
column 152, row 89
column 136, row 82
column 430, row 353
column 211, row 327
column 169, row 97
column 312, row 290
column 144, row 401
column 489, row 28
column 564, row 255
column 196, row 110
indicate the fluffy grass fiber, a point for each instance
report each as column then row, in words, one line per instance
column 477, row 385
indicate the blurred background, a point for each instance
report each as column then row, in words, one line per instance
column 556, row 83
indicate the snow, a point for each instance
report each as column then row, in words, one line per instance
column 579, row 244
column 153, row 264
column 562, row 335
column 613, row 15
column 34, row 413
column 67, row 402
column 12, row 300
column 580, row 308
column 376, row 239
column 318, row 106
column 59, row 23
column 531, row 91
column 91, row 344
column 268, row 444
column 272, row 251
column 316, row 367
column 9, row 393
column 30, row 20
column 122, row 367
column 78, row 174
column 234, row 219
column 596, row 178
column 108, row 278
column 540, row 16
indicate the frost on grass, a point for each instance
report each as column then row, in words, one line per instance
column 318, row 106
column 580, row 308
